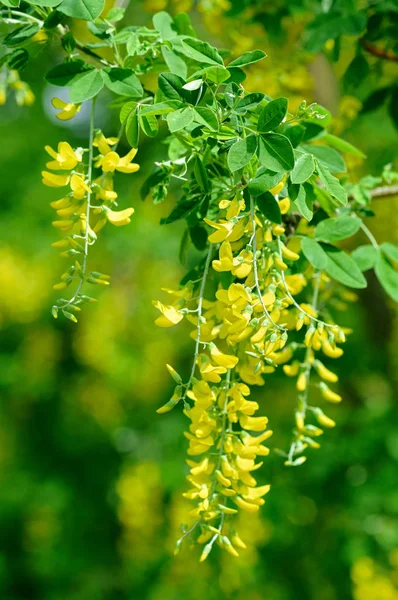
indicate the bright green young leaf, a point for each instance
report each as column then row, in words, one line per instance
column 241, row 153
column 180, row 118
column 163, row 22
column 269, row 207
column 276, row 152
column 65, row 73
column 248, row 58
column 174, row 62
column 123, row 82
column 216, row 74
column 337, row 228
column 390, row 251
column 342, row 145
column 342, row 268
column 365, row 257
column 304, row 203
column 303, row 168
column 86, row 86
column 272, row 115
column 201, row 51
column 314, row 253
column 126, row 109
column 387, row 276
column 327, row 156
column 160, row 108
column 149, row 125
column 88, row 10
column 264, row 181
column 331, row 183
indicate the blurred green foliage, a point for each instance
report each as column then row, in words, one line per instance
column 91, row 477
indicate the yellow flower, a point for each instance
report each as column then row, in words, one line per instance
column 121, row 217
column 78, row 186
column 104, row 144
column 225, row 263
column 328, row 394
column 223, row 360
column 169, row 317
column 68, row 110
column 112, row 161
column 53, row 180
column 65, row 159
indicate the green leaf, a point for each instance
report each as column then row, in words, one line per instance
column 303, row 168
column 314, row 253
column 337, row 228
column 342, row 268
column 201, row 175
column 157, row 177
column 276, row 152
column 248, row 58
column 388, row 277
column 207, row 117
column 342, row 145
column 328, row 156
column 200, row 51
column 174, row 62
column 304, row 203
column 49, row 3
column 171, row 86
column 132, row 129
column 183, row 209
column 163, row 22
column 248, row 102
column 18, row 59
column 160, row 108
column 149, row 125
column 115, row 14
column 331, row 183
column 65, row 73
column 264, row 181
column 122, row 81
column 390, row 251
column 272, row 115
column 216, row 74
column 269, row 207
column 126, row 109
column 180, row 118
column 133, row 44
column 241, row 153
column 365, row 257
column 86, row 86
column 88, row 10
column 198, row 236
column 21, row 35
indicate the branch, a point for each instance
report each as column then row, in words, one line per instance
column 385, row 190
column 378, row 52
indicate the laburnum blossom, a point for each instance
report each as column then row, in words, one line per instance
column 111, row 162
column 65, row 158
column 241, row 327
column 67, row 109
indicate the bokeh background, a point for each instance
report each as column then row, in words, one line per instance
column 90, row 477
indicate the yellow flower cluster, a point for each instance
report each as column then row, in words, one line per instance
column 88, row 205
column 241, row 336
column 11, row 82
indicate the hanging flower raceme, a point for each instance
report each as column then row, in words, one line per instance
column 85, row 207
column 242, row 336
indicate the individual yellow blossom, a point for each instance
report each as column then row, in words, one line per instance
column 68, row 110
column 53, row 180
column 111, row 162
column 169, row 317
column 64, row 159
column 328, row 394
column 121, row 217
column 104, row 144
column 78, row 186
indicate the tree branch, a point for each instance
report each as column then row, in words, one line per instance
column 378, row 52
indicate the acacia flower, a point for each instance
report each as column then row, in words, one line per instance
column 169, row 317
column 68, row 110
column 53, row 180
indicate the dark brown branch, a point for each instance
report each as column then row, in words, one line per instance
column 378, row 52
